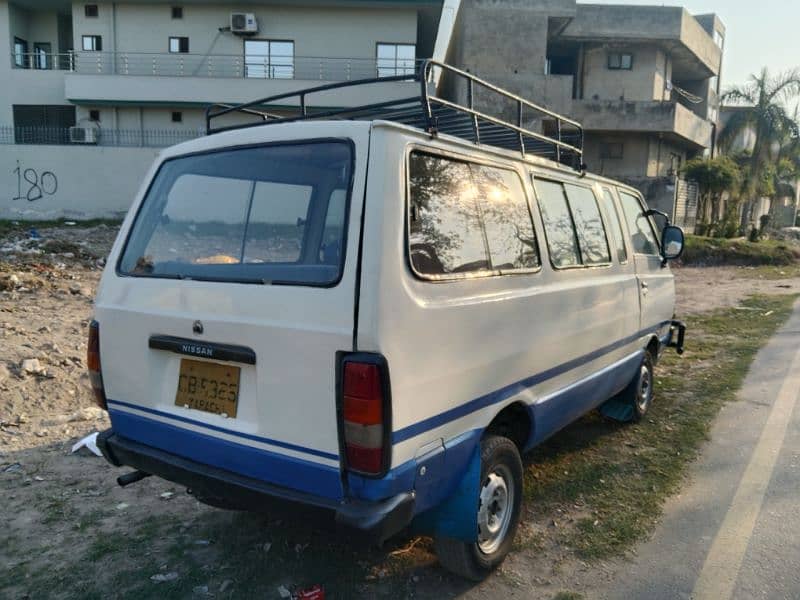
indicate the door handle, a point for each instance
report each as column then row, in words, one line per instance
column 645, row 288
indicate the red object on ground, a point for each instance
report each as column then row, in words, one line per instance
column 313, row 593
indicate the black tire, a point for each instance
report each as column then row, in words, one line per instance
column 639, row 392
column 500, row 460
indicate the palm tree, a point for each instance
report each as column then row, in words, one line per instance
column 763, row 114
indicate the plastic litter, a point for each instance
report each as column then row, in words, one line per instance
column 90, row 442
column 162, row 577
column 315, row 592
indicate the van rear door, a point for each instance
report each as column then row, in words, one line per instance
column 232, row 295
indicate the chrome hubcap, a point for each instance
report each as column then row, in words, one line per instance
column 645, row 388
column 494, row 511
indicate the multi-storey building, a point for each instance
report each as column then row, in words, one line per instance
column 111, row 81
column 643, row 80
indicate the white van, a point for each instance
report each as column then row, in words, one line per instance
column 377, row 311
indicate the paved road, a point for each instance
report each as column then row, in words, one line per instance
column 734, row 532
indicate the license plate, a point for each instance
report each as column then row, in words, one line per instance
column 208, row 386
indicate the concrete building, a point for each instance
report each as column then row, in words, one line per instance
column 92, row 89
column 643, row 80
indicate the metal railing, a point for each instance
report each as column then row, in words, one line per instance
column 215, row 65
column 121, row 138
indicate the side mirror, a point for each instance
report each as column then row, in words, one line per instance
column 672, row 242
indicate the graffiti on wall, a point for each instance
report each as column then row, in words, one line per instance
column 33, row 185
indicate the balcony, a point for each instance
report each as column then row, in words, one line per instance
column 668, row 118
column 138, row 77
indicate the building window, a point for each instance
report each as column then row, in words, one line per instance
column 20, row 53
column 94, row 115
column 396, row 59
column 42, row 52
column 177, row 12
column 613, row 150
column 269, row 59
column 179, row 45
column 620, row 61
column 719, row 40
column 90, row 10
column 177, row 116
column 92, row 43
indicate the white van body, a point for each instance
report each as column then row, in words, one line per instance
column 523, row 352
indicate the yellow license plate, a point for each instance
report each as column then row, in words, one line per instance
column 208, row 386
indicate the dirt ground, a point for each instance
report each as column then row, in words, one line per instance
column 67, row 530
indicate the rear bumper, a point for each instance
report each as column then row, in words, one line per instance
column 373, row 521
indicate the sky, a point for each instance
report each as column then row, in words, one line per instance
column 759, row 33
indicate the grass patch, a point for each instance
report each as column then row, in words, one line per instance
column 616, row 478
column 705, row 251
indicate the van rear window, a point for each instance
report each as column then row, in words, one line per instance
column 268, row 214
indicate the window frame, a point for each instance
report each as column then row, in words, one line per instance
column 620, row 67
column 25, row 54
column 94, row 38
column 395, row 68
column 176, row 12
column 458, row 157
column 643, row 206
column 94, row 115
column 178, row 114
column 179, row 39
column 298, row 142
column 269, row 66
column 562, row 182
column 91, row 11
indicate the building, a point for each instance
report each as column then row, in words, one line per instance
column 643, row 80
column 92, row 89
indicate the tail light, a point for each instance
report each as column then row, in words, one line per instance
column 93, row 364
column 365, row 414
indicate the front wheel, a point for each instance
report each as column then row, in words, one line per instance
column 497, row 517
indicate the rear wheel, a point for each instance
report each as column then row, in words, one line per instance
column 497, row 517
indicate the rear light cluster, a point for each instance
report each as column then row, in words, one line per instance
column 365, row 414
column 93, row 364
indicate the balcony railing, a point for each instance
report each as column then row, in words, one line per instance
column 121, row 138
column 307, row 68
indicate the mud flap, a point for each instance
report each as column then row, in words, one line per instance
column 456, row 516
column 618, row 410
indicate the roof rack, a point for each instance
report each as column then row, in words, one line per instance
column 561, row 139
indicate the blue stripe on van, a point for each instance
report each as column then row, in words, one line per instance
column 513, row 389
column 282, row 470
column 247, row 436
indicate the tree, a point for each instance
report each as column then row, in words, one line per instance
column 763, row 114
column 714, row 176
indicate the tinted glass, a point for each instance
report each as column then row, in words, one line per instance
column 445, row 231
column 558, row 226
column 506, row 218
column 639, row 226
column 253, row 215
column 615, row 225
column 588, row 225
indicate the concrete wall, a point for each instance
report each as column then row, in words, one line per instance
column 645, row 81
column 46, row 182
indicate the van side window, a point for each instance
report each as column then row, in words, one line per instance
column 588, row 225
column 615, row 224
column 639, row 226
column 506, row 219
column 558, row 226
column 467, row 218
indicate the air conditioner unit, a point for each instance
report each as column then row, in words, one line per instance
column 83, row 135
column 244, row 23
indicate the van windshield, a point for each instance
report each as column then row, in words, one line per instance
column 270, row 214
